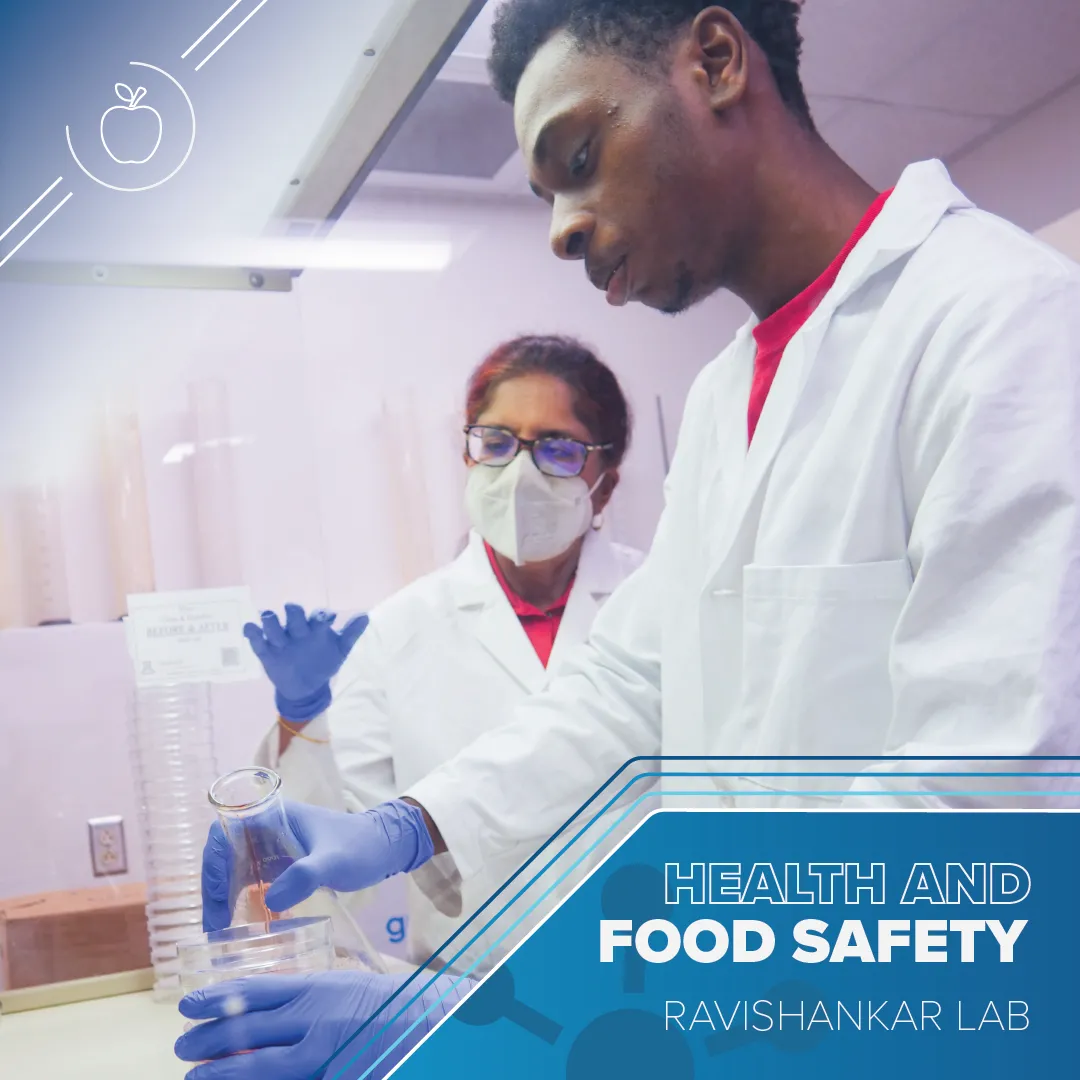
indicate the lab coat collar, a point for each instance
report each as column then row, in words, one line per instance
column 475, row 584
column 598, row 575
column 922, row 197
column 487, row 615
column 479, row 596
column 598, row 572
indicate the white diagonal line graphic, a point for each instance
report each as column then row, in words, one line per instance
column 37, row 226
column 237, row 27
column 221, row 18
column 30, row 207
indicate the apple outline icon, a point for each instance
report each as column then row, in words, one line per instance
column 131, row 99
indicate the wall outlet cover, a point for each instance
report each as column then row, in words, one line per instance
column 108, row 851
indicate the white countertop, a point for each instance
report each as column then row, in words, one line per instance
column 129, row 1037
column 125, row 1037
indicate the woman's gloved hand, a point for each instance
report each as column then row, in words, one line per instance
column 343, row 852
column 302, row 657
column 291, row 1027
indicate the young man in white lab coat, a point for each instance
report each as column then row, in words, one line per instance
column 871, row 541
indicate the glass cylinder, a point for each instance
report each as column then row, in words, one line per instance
column 129, row 518
column 214, row 486
column 251, row 810
column 406, row 489
column 42, row 560
column 172, row 744
column 282, row 947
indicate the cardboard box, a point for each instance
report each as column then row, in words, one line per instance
column 76, row 934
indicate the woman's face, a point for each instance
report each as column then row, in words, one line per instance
column 532, row 406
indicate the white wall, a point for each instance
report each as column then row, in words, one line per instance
column 318, row 482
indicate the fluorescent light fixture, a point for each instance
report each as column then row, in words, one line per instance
column 388, row 255
column 421, row 255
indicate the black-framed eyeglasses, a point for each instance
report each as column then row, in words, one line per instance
column 553, row 455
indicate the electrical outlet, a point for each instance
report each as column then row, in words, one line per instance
column 108, row 852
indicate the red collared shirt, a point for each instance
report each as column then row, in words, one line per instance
column 775, row 333
column 540, row 626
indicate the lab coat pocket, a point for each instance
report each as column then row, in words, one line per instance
column 816, row 643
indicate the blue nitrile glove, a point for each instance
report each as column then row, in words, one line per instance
column 292, row 1026
column 302, row 657
column 343, row 852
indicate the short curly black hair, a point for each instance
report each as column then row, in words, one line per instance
column 641, row 30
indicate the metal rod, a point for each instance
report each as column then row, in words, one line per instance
column 663, row 434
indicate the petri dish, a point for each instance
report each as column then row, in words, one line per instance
column 281, row 947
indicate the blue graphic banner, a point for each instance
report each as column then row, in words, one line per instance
column 749, row 943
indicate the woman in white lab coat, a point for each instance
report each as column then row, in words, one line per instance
column 450, row 656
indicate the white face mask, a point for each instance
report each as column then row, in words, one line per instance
column 525, row 515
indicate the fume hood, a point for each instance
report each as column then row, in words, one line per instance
column 409, row 48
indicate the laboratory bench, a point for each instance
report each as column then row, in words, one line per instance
column 104, row 1028
column 123, row 1037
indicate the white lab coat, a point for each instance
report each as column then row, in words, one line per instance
column 443, row 661
column 892, row 568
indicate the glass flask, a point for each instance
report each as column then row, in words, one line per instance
column 282, row 947
column 251, row 810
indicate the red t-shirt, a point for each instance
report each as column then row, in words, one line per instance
column 540, row 626
column 774, row 334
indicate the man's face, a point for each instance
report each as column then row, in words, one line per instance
column 646, row 184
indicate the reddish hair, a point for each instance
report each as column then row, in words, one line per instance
column 598, row 399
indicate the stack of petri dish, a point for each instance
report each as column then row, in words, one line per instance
column 282, row 947
column 172, row 743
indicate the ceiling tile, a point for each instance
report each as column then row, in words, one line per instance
column 1028, row 170
column 879, row 141
column 477, row 39
column 851, row 44
column 824, row 108
column 456, row 129
column 997, row 61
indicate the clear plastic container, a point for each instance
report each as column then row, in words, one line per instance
column 173, row 754
column 250, row 807
column 281, row 947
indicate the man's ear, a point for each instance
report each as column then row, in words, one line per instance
column 720, row 56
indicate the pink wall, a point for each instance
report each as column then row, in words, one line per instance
column 317, row 485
